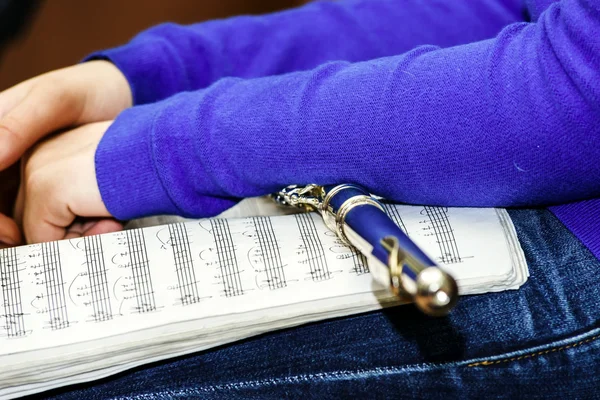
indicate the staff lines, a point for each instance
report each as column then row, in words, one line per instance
column 444, row 234
column 392, row 211
column 11, row 289
column 361, row 266
column 228, row 265
column 55, row 291
column 184, row 265
column 140, row 270
column 319, row 270
column 94, row 256
column 270, row 253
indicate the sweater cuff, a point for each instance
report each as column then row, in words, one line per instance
column 144, row 64
column 583, row 220
column 125, row 170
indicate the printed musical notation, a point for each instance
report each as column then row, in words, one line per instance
column 55, row 286
column 140, row 271
column 14, row 322
column 312, row 247
column 444, row 234
column 269, row 252
column 184, row 264
column 359, row 262
column 98, row 282
column 228, row 264
column 120, row 284
column 392, row 211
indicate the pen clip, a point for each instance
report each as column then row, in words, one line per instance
column 433, row 290
column 395, row 264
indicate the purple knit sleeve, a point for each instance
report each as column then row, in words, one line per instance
column 511, row 121
column 171, row 58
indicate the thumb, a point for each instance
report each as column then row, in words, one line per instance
column 45, row 218
column 59, row 184
column 43, row 110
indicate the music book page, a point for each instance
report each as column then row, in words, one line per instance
column 81, row 309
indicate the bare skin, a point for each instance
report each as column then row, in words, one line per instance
column 80, row 101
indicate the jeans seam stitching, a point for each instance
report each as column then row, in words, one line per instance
column 371, row 371
column 531, row 355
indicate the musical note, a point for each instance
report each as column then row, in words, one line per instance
column 444, row 234
column 96, row 272
column 268, row 249
column 359, row 261
column 11, row 292
column 184, row 264
column 86, row 295
column 140, row 271
column 311, row 244
column 228, row 265
column 55, row 290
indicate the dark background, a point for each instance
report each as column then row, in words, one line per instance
column 62, row 32
column 58, row 33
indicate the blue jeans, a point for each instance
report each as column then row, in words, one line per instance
column 542, row 341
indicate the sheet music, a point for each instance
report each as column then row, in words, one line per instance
column 83, row 289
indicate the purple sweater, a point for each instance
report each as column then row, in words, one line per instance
column 484, row 103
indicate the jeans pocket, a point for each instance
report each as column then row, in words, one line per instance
column 537, row 351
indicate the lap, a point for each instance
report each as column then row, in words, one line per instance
column 540, row 341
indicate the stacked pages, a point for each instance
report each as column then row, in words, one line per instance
column 82, row 309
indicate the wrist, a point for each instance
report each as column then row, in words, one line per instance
column 115, row 82
column 106, row 91
column 141, row 65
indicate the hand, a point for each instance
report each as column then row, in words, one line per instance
column 9, row 185
column 58, row 186
column 90, row 92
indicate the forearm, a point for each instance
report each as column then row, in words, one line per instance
column 170, row 58
column 504, row 122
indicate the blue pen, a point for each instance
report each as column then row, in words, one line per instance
column 394, row 259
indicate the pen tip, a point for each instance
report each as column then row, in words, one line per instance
column 437, row 292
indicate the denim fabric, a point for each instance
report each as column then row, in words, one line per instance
column 542, row 341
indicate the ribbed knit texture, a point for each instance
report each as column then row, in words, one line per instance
column 509, row 118
column 583, row 219
column 170, row 58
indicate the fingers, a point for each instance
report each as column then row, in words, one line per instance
column 44, row 231
column 9, row 232
column 93, row 227
column 40, row 208
column 13, row 96
column 84, row 93
column 107, row 225
column 59, row 185
column 44, row 219
column 44, row 109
